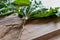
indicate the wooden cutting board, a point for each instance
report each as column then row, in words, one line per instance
column 38, row 29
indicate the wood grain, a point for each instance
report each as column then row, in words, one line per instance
column 34, row 29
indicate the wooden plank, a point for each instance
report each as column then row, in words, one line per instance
column 38, row 28
column 49, row 35
column 55, row 38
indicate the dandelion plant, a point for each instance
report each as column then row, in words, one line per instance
column 27, row 9
column 36, row 10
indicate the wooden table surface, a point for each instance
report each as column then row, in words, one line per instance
column 41, row 29
column 38, row 29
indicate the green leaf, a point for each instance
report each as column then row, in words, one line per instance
column 22, row 2
column 6, row 7
column 58, row 12
column 46, row 13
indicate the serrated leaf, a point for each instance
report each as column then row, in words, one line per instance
column 31, row 9
column 37, row 10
